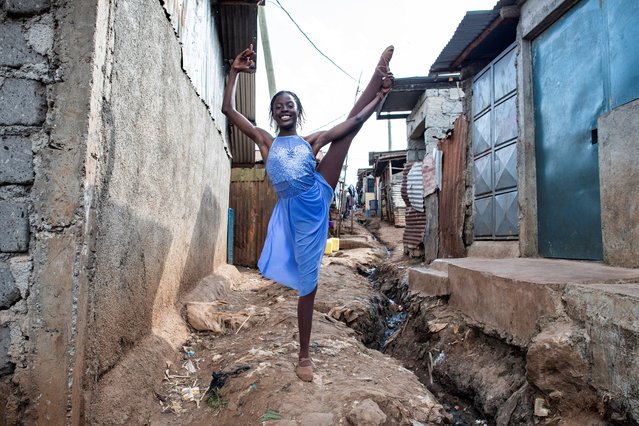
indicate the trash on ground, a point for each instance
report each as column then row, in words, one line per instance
column 540, row 409
column 219, row 378
column 271, row 415
column 190, row 393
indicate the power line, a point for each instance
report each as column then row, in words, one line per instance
column 311, row 41
column 330, row 122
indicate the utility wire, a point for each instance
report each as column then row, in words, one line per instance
column 311, row 41
column 330, row 122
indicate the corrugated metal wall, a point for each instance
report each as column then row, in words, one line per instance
column 194, row 24
column 252, row 198
column 413, row 190
column 451, row 197
column 399, row 207
column 415, row 186
column 238, row 24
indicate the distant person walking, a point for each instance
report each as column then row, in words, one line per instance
column 298, row 228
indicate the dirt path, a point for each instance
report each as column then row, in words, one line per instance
column 252, row 358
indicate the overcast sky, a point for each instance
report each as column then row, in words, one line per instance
column 352, row 33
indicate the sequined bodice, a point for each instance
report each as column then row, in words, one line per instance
column 290, row 166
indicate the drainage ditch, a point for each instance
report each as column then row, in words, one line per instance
column 393, row 305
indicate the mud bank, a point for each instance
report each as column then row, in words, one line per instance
column 495, row 380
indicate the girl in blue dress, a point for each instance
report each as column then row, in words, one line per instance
column 298, row 227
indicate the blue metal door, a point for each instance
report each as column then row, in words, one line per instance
column 584, row 65
column 568, row 85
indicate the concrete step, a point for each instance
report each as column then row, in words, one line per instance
column 514, row 297
column 427, row 282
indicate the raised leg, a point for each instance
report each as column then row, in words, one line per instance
column 331, row 165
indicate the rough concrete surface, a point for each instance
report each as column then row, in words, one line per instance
column 619, row 180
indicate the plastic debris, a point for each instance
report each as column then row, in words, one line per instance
column 190, row 367
column 271, row 415
column 219, row 377
column 540, row 409
column 191, row 393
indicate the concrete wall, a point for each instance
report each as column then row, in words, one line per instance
column 619, row 180
column 114, row 201
column 435, row 112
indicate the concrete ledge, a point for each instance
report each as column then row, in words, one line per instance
column 514, row 298
column 428, row 282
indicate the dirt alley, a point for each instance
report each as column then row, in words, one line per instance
column 250, row 357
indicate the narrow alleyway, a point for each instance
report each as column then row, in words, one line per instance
column 247, row 363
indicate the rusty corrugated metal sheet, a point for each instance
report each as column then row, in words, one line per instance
column 429, row 175
column 242, row 147
column 415, row 226
column 451, row 198
column 252, row 198
column 404, row 191
column 415, row 187
column 470, row 27
column 238, row 27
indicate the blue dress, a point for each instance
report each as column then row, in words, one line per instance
column 297, row 231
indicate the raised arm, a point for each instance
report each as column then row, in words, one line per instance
column 244, row 63
column 320, row 139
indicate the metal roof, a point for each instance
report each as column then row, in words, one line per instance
column 379, row 160
column 406, row 92
column 481, row 35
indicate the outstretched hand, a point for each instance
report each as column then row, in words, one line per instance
column 243, row 62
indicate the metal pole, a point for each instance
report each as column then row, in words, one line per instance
column 390, row 139
column 266, row 48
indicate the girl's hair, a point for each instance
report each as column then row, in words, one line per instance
column 300, row 109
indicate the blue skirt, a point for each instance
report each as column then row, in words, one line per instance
column 296, row 238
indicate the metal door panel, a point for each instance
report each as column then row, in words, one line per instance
column 481, row 134
column 506, row 214
column 567, row 105
column 506, row 121
column 483, row 225
column 483, row 175
column 623, row 36
column 482, row 93
column 495, row 134
column 506, row 167
column 505, row 75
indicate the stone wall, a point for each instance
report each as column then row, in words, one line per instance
column 435, row 112
column 114, row 185
column 27, row 72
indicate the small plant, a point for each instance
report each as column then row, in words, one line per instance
column 216, row 402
